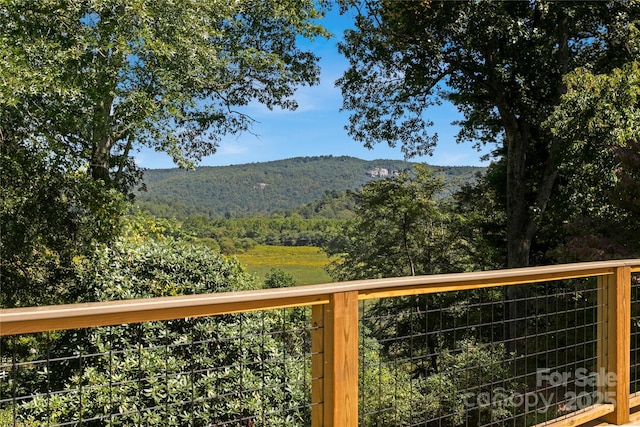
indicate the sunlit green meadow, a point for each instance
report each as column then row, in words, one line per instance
column 305, row 263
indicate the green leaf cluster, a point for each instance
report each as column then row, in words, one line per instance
column 209, row 369
column 50, row 216
column 103, row 78
column 502, row 64
column 399, row 229
column 598, row 123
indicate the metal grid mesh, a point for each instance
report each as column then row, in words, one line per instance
column 250, row 369
column 634, row 384
column 514, row 356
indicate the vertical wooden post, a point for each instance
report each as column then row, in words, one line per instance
column 341, row 360
column 618, row 343
column 317, row 366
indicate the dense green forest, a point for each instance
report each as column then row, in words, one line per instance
column 263, row 188
column 302, row 203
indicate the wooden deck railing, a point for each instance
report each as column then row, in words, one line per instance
column 335, row 318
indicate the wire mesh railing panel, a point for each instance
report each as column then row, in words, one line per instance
column 249, row 369
column 514, row 356
column 634, row 385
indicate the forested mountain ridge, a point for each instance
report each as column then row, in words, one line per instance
column 263, row 188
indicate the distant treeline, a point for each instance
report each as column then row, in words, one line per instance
column 308, row 225
column 241, row 234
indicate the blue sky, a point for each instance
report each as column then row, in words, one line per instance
column 317, row 127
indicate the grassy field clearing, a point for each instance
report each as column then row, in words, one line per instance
column 305, row 263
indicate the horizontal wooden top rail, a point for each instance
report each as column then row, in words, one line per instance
column 75, row 316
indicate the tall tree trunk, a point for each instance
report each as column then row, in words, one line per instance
column 517, row 141
column 524, row 207
column 102, row 141
column 518, row 242
column 405, row 232
column 100, row 161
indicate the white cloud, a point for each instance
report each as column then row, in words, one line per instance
column 231, row 149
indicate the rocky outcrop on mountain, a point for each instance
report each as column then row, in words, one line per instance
column 378, row 172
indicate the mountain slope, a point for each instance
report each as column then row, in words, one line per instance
column 262, row 188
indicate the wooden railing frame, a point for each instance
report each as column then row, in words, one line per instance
column 335, row 324
column 617, row 288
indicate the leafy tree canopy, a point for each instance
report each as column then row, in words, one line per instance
column 598, row 123
column 501, row 63
column 49, row 215
column 398, row 230
column 83, row 84
column 96, row 79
